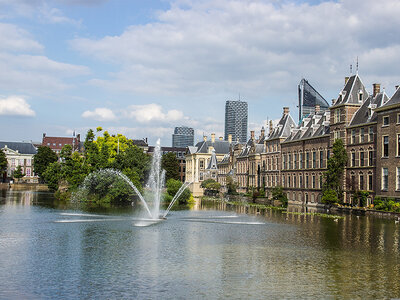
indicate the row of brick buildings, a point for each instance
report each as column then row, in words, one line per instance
column 295, row 156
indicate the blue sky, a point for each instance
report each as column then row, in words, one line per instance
column 143, row 67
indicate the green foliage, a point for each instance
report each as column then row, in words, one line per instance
column 386, row 204
column 171, row 166
column 53, row 175
column 210, row 185
column 172, row 188
column 334, row 174
column 329, row 196
column 231, row 186
column 360, row 198
column 278, row 194
column 42, row 159
column 18, row 173
column 3, row 162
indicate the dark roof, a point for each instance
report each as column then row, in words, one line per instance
column 220, row 147
column 168, row 149
column 366, row 113
column 21, row 147
column 284, row 127
column 394, row 100
column 350, row 92
column 140, row 143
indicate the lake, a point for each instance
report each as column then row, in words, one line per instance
column 50, row 250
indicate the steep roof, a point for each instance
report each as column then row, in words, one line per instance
column 284, row 127
column 220, row 147
column 394, row 100
column 366, row 113
column 350, row 92
column 213, row 162
column 21, row 147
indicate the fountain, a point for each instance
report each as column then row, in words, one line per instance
column 155, row 184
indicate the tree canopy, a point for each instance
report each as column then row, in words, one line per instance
column 42, row 159
column 3, row 162
column 18, row 173
column 171, row 166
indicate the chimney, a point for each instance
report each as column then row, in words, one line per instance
column 212, row 137
column 376, row 89
column 262, row 131
column 317, row 108
column 285, row 110
column 252, row 134
column 220, row 138
column 230, row 138
column 271, row 127
column 333, row 101
column 205, row 138
column 346, row 79
column 396, row 87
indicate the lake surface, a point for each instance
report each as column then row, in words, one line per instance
column 54, row 251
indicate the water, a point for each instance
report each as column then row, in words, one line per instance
column 210, row 252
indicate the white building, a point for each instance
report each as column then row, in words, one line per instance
column 19, row 154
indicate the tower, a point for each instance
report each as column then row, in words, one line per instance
column 236, row 115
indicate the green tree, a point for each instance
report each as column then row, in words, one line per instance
column 172, row 188
column 211, row 186
column 53, row 175
column 3, row 163
column 278, row 194
column 334, row 175
column 42, row 159
column 231, row 186
column 171, row 166
column 18, row 173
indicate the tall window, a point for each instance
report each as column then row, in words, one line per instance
column 398, row 179
column 370, row 178
column 288, row 180
column 294, row 181
column 295, row 161
column 321, row 159
column 306, row 181
column 201, row 164
column 314, row 159
column 362, row 158
column 385, row 121
column 398, row 145
column 385, row 151
column 370, row 158
column 362, row 133
column 313, row 181
column 337, row 116
column 320, row 181
column 353, row 136
column 361, row 181
column 301, row 160
column 307, row 160
column 385, row 179
column 300, row 181
column 353, row 159
column 371, row 134
column 290, row 161
column 328, row 154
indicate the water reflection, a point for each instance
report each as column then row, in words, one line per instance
column 203, row 253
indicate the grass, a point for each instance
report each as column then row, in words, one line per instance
column 314, row 214
column 246, row 204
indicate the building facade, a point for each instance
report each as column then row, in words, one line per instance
column 236, row 118
column 56, row 143
column 19, row 154
column 183, row 137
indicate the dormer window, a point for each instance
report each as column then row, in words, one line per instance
column 360, row 96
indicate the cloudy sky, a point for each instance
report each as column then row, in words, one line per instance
column 143, row 67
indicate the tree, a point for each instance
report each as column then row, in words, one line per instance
column 334, row 175
column 3, row 163
column 171, row 166
column 18, row 173
column 53, row 175
column 231, row 186
column 173, row 187
column 211, row 186
column 278, row 194
column 42, row 159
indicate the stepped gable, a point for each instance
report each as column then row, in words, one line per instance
column 351, row 91
column 21, row 147
column 366, row 113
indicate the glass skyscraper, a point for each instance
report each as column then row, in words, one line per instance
column 308, row 99
column 183, row 137
column 236, row 114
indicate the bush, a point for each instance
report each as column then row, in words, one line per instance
column 172, row 188
column 278, row 194
column 329, row 196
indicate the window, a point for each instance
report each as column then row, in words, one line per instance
column 314, row 159
column 370, row 158
column 398, row 118
column 385, row 121
column 290, row 161
column 294, row 181
column 321, row 159
column 12, row 162
column 337, row 116
column 320, row 181
column 295, row 160
column 283, row 181
column 300, row 181
column 370, row 178
column 385, row 179
column 201, row 175
column 362, row 133
column 362, row 158
column 353, row 136
column 328, row 154
column 313, row 181
column 385, row 152
column 48, row 144
column 306, row 181
column 301, row 160
column 398, row 179
column 398, row 145
column 201, row 163
column 288, row 181
column 307, row 160
column 361, row 182
column 353, row 159
column 371, row 134
column 28, row 172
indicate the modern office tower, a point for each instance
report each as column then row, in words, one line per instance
column 183, row 137
column 236, row 113
column 309, row 98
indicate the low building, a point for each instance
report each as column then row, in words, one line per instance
column 19, row 154
column 56, row 143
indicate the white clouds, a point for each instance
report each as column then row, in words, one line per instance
column 153, row 113
column 15, row 106
column 100, row 114
column 255, row 47
column 15, row 39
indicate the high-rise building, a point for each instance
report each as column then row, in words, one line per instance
column 236, row 113
column 309, row 98
column 183, row 137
